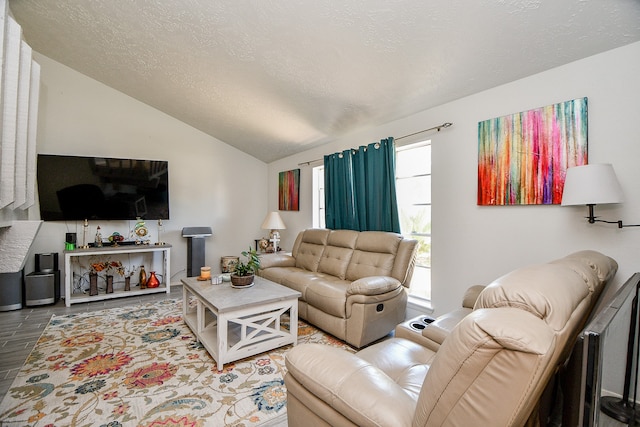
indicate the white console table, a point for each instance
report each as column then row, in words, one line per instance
column 156, row 258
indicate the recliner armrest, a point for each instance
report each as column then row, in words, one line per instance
column 352, row 386
column 374, row 285
column 441, row 328
column 471, row 296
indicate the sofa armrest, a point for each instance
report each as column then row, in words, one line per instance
column 352, row 386
column 374, row 285
column 276, row 260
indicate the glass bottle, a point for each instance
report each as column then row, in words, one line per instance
column 143, row 277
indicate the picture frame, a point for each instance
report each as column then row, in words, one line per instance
column 289, row 190
column 523, row 157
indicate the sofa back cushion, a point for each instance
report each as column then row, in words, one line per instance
column 338, row 253
column 374, row 255
column 309, row 247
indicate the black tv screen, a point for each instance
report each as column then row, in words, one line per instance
column 78, row 188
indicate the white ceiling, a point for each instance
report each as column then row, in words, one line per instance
column 277, row 77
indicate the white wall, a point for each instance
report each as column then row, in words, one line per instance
column 473, row 244
column 210, row 182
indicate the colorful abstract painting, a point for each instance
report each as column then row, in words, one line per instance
column 289, row 190
column 523, row 157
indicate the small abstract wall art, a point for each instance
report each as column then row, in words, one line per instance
column 289, row 190
column 523, row 157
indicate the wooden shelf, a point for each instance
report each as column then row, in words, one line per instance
column 77, row 297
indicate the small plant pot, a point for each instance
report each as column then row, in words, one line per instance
column 241, row 280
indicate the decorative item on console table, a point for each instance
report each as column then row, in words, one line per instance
column 127, row 272
column 244, row 273
column 93, row 284
column 109, row 278
column 85, row 229
column 116, row 238
column 98, row 239
column 140, row 232
column 143, row 278
column 153, row 281
column 108, row 267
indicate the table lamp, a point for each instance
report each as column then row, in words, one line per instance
column 274, row 223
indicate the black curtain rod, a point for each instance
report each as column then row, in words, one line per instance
column 437, row 128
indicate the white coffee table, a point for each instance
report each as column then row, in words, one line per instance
column 234, row 323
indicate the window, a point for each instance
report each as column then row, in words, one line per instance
column 413, row 187
column 318, row 197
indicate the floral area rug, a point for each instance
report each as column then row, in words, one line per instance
column 141, row 366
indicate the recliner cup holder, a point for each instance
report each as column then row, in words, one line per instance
column 417, row 326
column 421, row 323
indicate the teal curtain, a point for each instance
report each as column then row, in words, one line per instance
column 360, row 188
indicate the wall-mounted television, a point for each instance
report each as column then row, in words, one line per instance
column 72, row 188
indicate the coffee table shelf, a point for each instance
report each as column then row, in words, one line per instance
column 233, row 323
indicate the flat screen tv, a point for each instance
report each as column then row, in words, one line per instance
column 610, row 361
column 72, row 188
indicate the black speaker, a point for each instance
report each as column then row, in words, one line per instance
column 46, row 263
column 70, row 238
column 39, row 289
column 11, row 295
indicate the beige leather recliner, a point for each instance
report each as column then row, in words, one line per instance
column 491, row 369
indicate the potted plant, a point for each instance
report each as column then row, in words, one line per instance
column 244, row 272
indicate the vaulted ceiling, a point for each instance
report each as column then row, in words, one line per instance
column 277, row 77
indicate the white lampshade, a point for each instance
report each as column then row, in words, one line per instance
column 273, row 222
column 591, row 185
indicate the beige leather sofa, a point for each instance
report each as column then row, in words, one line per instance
column 353, row 284
column 490, row 370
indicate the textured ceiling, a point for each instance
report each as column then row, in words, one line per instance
column 277, row 77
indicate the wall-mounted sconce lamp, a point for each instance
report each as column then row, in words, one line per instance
column 592, row 185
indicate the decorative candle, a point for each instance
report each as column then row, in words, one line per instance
column 205, row 272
